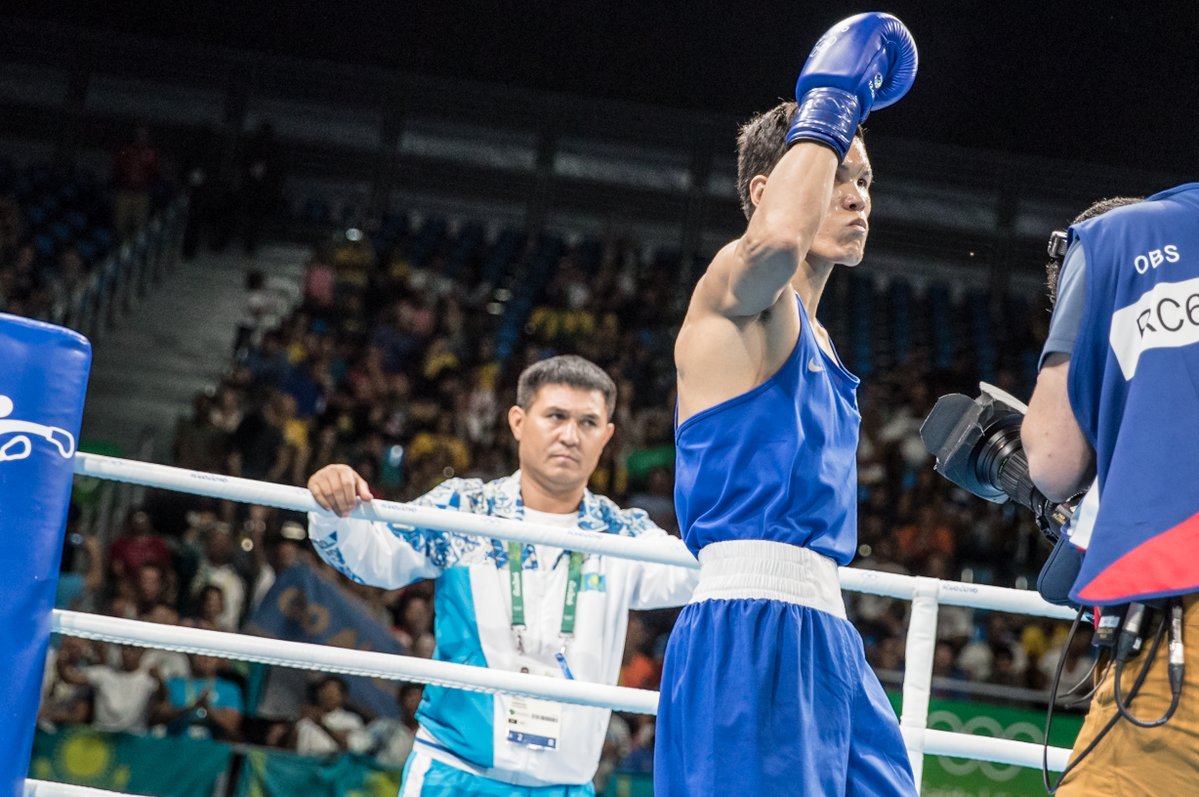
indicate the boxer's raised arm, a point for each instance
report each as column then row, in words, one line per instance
column 866, row 61
column 748, row 276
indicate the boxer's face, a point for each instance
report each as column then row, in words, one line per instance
column 842, row 237
column 561, row 435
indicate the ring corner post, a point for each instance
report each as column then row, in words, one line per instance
column 917, row 681
column 43, row 383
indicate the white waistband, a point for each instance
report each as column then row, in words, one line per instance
column 737, row 569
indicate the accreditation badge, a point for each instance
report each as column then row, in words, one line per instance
column 532, row 722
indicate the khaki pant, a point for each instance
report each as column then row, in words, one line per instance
column 1143, row 762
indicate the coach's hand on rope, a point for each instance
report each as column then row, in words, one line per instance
column 338, row 488
column 863, row 62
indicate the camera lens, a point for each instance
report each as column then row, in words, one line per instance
column 1001, row 442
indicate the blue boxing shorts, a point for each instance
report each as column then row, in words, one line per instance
column 766, row 690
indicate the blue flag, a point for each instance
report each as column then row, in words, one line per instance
column 303, row 607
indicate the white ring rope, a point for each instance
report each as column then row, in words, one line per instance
column 49, row 788
column 920, row 739
column 893, row 585
column 372, row 664
column 302, row 655
column 953, row 593
column 993, row 749
column 299, row 499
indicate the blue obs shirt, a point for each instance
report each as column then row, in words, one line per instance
column 777, row 463
column 1134, row 389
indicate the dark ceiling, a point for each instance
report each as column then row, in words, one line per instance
column 1101, row 81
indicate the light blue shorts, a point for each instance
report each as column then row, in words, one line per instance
column 424, row 777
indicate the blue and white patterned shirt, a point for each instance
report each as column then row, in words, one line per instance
column 474, row 613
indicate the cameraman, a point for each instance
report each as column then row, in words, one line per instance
column 1117, row 401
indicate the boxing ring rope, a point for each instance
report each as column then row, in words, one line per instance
column 49, row 788
column 926, row 595
column 299, row 499
column 344, row 661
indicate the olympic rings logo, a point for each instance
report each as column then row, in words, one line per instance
column 983, row 726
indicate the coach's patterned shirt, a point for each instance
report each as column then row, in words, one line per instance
column 473, row 609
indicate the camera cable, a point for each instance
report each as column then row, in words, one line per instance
column 1172, row 624
column 1057, row 676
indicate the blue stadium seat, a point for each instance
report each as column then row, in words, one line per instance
column 88, row 251
column 36, row 216
column 495, row 267
column 77, row 220
column 427, row 240
column 61, row 232
column 468, row 242
column 44, row 246
column 103, row 237
column 941, row 312
column 901, row 319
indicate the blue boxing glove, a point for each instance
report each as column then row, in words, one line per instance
column 863, row 62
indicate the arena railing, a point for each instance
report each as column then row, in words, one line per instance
column 117, row 282
column 925, row 594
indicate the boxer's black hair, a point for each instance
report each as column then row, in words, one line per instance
column 1054, row 266
column 761, row 144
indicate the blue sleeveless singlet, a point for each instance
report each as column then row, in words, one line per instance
column 778, row 462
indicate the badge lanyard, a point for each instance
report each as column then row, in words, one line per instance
column 574, row 582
